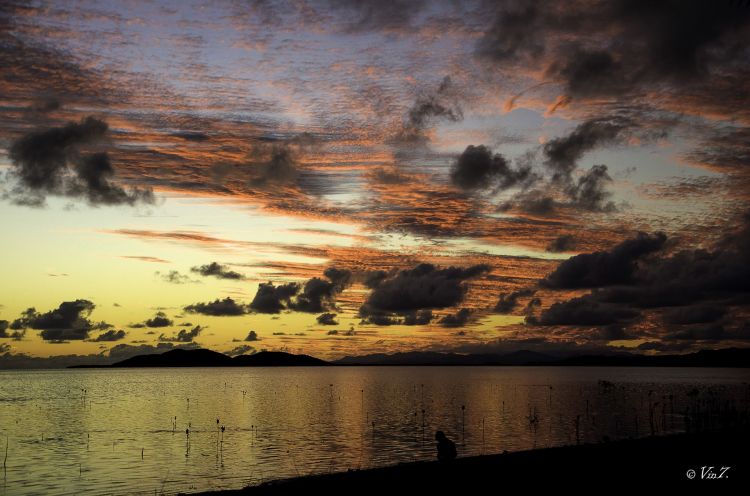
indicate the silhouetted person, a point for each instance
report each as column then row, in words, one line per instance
column 446, row 449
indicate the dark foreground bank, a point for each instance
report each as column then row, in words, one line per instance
column 708, row 462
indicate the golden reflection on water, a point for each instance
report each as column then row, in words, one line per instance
column 114, row 431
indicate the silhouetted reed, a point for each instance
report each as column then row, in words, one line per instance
column 463, row 424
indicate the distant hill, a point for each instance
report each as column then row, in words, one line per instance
column 523, row 357
column 276, row 359
column 208, row 358
column 729, row 357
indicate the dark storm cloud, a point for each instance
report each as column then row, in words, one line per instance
column 700, row 291
column 377, row 15
column 159, row 320
column 280, row 167
column 458, row 319
column 340, row 278
column 606, row 267
column 603, row 48
column 589, row 191
column 725, row 149
column 94, row 184
column 16, row 334
column 694, row 314
column 535, row 202
column 327, row 319
column 423, row 287
column 315, row 296
column 417, row 317
column 478, row 168
column 217, row 270
column 563, row 154
column 69, row 321
column 513, row 36
column 712, row 332
column 275, row 161
column 218, row 308
column 585, row 311
column 252, row 336
column 110, row 335
column 562, row 243
column 184, row 336
column 509, row 301
column 50, row 162
column 273, row 299
column 442, row 104
column 372, row 278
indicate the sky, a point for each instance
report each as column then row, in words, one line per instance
column 339, row 177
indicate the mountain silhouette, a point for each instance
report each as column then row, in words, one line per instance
column 208, row 358
column 728, row 357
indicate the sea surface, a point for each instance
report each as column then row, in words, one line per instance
column 163, row 431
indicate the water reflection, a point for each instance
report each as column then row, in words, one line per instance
column 141, row 431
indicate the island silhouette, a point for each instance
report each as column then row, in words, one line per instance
column 201, row 357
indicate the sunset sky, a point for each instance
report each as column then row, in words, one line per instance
column 398, row 175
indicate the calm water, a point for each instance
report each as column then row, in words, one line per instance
column 119, row 436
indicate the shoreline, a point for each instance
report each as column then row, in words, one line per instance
column 661, row 460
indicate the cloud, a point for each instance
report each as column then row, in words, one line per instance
column 442, row 104
column 217, row 308
column 315, row 296
column 423, row 287
column 69, row 321
column 694, row 314
column 589, row 191
column 377, row 15
column 273, row 299
column 613, row 49
column 174, row 277
column 159, row 320
column 508, row 301
column 195, row 136
column 458, row 319
column 50, row 162
column 606, row 267
column 417, row 317
column 478, row 168
column 110, row 335
column 252, row 336
column 217, row 270
column 341, row 278
column 17, row 334
column 585, row 311
column 183, row 336
column 697, row 294
column 145, row 258
column 243, row 349
column 327, row 319
column 562, row 243
column 275, row 162
column 563, row 153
